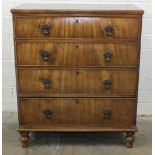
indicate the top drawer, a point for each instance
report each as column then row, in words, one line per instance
column 77, row 27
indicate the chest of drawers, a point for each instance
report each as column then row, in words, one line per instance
column 77, row 69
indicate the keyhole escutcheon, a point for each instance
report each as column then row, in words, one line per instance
column 77, row 72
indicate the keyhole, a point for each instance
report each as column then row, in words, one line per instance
column 77, row 46
column 77, row 72
column 77, row 101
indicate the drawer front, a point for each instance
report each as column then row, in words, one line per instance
column 90, row 81
column 105, row 112
column 78, row 27
column 76, row 54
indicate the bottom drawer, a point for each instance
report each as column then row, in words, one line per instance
column 103, row 111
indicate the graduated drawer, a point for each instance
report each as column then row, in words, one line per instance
column 76, row 54
column 77, row 27
column 108, row 112
column 78, row 81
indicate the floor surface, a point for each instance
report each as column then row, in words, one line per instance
column 76, row 143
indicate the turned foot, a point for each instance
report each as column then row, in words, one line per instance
column 130, row 139
column 24, row 138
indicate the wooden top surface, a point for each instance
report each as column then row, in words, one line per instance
column 76, row 8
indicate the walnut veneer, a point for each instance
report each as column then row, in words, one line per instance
column 77, row 69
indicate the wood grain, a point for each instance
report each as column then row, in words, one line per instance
column 75, row 98
column 71, row 9
column 76, row 54
column 77, row 27
column 78, row 81
column 75, row 128
column 78, row 111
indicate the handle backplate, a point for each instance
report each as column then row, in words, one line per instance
column 45, row 55
column 47, row 83
column 107, row 56
column 48, row 113
column 107, row 83
column 109, row 30
column 45, row 28
column 107, row 113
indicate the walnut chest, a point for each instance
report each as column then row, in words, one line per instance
column 77, row 68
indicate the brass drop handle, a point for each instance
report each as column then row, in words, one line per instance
column 109, row 30
column 107, row 56
column 48, row 113
column 45, row 28
column 107, row 113
column 47, row 83
column 45, row 55
column 107, row 83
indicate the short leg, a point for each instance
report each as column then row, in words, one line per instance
column 24, row 138
column 130, row 139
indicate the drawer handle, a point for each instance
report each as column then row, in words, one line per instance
column 107, row 56
column 45, row 28
column 109, row 30
column 107, row 113
column 45, row 55
column 47, row 83
column 107, row 83
column 48, row 113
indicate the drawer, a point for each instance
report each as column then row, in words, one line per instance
column 103, row 111
column 76, row 81
column 77, row 27
column 76, row 54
